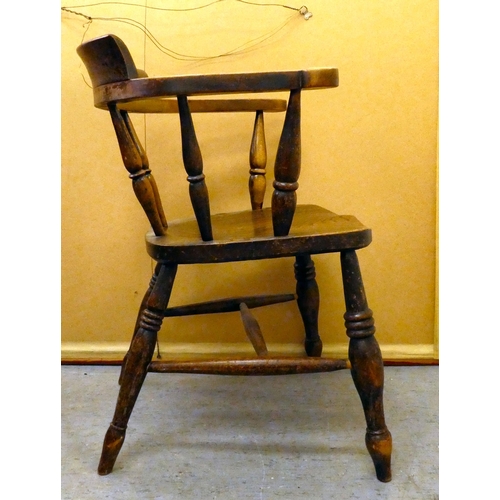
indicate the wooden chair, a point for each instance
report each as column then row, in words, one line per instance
column 285, row 229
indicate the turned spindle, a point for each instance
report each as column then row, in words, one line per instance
column 136, row 162
column 258, row 161
column 193, row 163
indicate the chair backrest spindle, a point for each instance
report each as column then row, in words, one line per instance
column 193, row 163
column 108, row 60
column 258, row 161
column 136, row 162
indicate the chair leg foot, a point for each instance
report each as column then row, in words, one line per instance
column 313, row 347
column 368, row 375
column 113, row 441
column 379, row 445
column 133, row 376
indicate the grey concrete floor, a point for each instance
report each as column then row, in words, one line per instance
column 220, row 437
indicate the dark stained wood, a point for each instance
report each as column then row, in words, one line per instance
column 286, row 229
column 107, row 60
column 228, row 305
column 136, row 366
column 287, row 168
column 248, row 235
column 143, row 306
column 106, row 360
column 136, row 162
column 367, row 365
column 236, row 83
column 308, row 302
column 411, row 362
column 193, row 164
column 115, row 77
column 251, row 366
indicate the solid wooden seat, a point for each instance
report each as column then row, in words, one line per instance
column 286, row 229
column 248, row 235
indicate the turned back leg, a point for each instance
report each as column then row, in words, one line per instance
column 308, row 302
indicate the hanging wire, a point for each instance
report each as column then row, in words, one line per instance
column 96, row 4
column 177, row 55
column 186, row 9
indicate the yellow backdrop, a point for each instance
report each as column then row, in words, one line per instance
column 369, row 149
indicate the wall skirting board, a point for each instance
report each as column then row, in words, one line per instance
column 114, row 351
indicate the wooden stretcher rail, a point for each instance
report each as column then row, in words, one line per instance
column 229, row 305
column 251, row 366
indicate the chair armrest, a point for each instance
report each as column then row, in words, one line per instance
column 236, row 83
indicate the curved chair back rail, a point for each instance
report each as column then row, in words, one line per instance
column 236, row 83
column 118, row 86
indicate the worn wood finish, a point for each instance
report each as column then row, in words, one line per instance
column 115, row 77
column 251, row 366
column 258, row 161
column 236, row 83
column 142, row 307
column 367, row 365
column 136, row 366
column 249, row 235
column 193, row 163
column 287, row 168
column 308, row 302
column 136, row 162
column 253, row 330
column 229, row 305
column 286, row 229
column 107, row 60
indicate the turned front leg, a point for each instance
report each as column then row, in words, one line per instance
column 367, row 368
column 136, row 366
column 139, row 316
column 308, row 302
